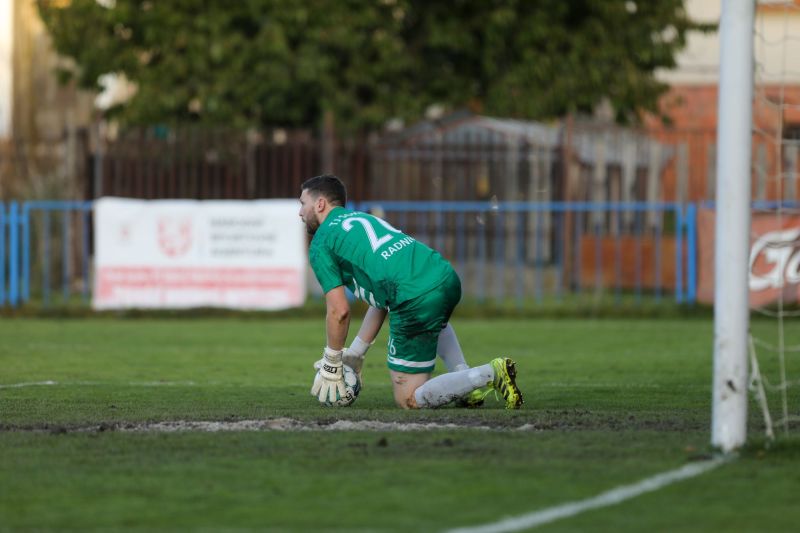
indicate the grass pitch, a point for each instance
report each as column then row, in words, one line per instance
column 608, row 402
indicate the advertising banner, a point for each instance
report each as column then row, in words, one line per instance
column 774, row 260
column 186, row 253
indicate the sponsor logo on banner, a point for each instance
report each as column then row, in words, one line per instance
column 775, row 260
column 174, row 235
column 187, row 253
column 774, row 263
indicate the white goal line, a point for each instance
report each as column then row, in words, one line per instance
column 605, row 499
column 96, row 383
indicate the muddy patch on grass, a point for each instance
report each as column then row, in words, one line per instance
column 270, row 424
column 547, row 420
column 290, row 424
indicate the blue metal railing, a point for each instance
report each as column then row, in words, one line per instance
column 505, row 246
column 582, row 225
column 13, row 254
column 15, row 250
column 9, row 254
column 691, row 250
column 66, row 209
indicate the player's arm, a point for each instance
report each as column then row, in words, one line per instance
column 329, row 275
column 329, row 383
column 337, row 320
column 373, row 321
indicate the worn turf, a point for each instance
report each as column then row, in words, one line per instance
column 608, row 402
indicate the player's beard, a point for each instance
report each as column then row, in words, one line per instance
column 311, row 225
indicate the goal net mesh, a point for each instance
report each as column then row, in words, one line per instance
column 775, row 230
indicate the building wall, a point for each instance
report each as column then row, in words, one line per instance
column 42, row 108
column 691, row 103
column 775, row 23
column 6, row 62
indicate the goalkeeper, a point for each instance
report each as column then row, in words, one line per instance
column 398, row 275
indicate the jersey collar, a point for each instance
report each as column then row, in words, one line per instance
column 336, row 210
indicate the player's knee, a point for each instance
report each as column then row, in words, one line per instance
column 403, row 392
column 407, row 401
column 405, row 387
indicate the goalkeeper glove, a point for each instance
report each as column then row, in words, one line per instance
column 355, row 354
column 329, row 382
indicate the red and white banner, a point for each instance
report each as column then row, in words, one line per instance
column 774, row 258
column 189, row 253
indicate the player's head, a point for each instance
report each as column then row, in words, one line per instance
column 326, row 185
column 317, row 196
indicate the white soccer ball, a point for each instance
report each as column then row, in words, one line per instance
column 352, row 388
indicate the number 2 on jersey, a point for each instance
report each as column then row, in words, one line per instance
column 374, row 240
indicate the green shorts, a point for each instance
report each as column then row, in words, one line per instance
column 414, row 327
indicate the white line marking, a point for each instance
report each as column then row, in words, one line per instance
column 32, row 384
column 162, row 384
column 99, row 383
column 599, row 385
column 611, row 497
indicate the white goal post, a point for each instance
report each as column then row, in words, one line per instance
column 732, row 231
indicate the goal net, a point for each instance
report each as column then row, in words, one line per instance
column 774, row 262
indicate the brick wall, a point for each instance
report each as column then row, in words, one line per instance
column 693, row 112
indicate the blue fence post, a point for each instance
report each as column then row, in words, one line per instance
column 460, row 247
column 440, row 230
column 560, row 244
column 691, row 253
column 577, row 255
column 499, row 255
column 679, row 228
column 481, row 225
column 598, row 257
column 402, row 216
column 2, row 254
column 13, row 254
column 537, row 258
column 638, row 247
column 65, row 272
column 619, row 211
column 26, row 253
column 520, row 254
column 657, row 252
column 46, row 257
column 85, row 254
column 425, row 236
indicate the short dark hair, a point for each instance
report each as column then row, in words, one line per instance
column 327, row 185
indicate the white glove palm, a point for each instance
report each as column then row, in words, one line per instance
column 355, row 354
column 329, row 382
column 353, row 360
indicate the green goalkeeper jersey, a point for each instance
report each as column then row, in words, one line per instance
column 383, row 266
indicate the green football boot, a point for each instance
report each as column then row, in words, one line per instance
column 505, row 373
column 475, row 398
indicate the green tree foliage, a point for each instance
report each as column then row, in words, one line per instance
column 287, row 62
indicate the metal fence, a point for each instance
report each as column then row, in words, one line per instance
column 525, row 254
column 470, row 159
column 531, row 253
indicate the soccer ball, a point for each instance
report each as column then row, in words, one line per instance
column 352, row 388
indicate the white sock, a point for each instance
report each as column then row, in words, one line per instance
column 450, row 351
column 359, row 347
column 448, row 387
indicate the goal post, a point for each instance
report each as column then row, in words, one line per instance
column 732, row 231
